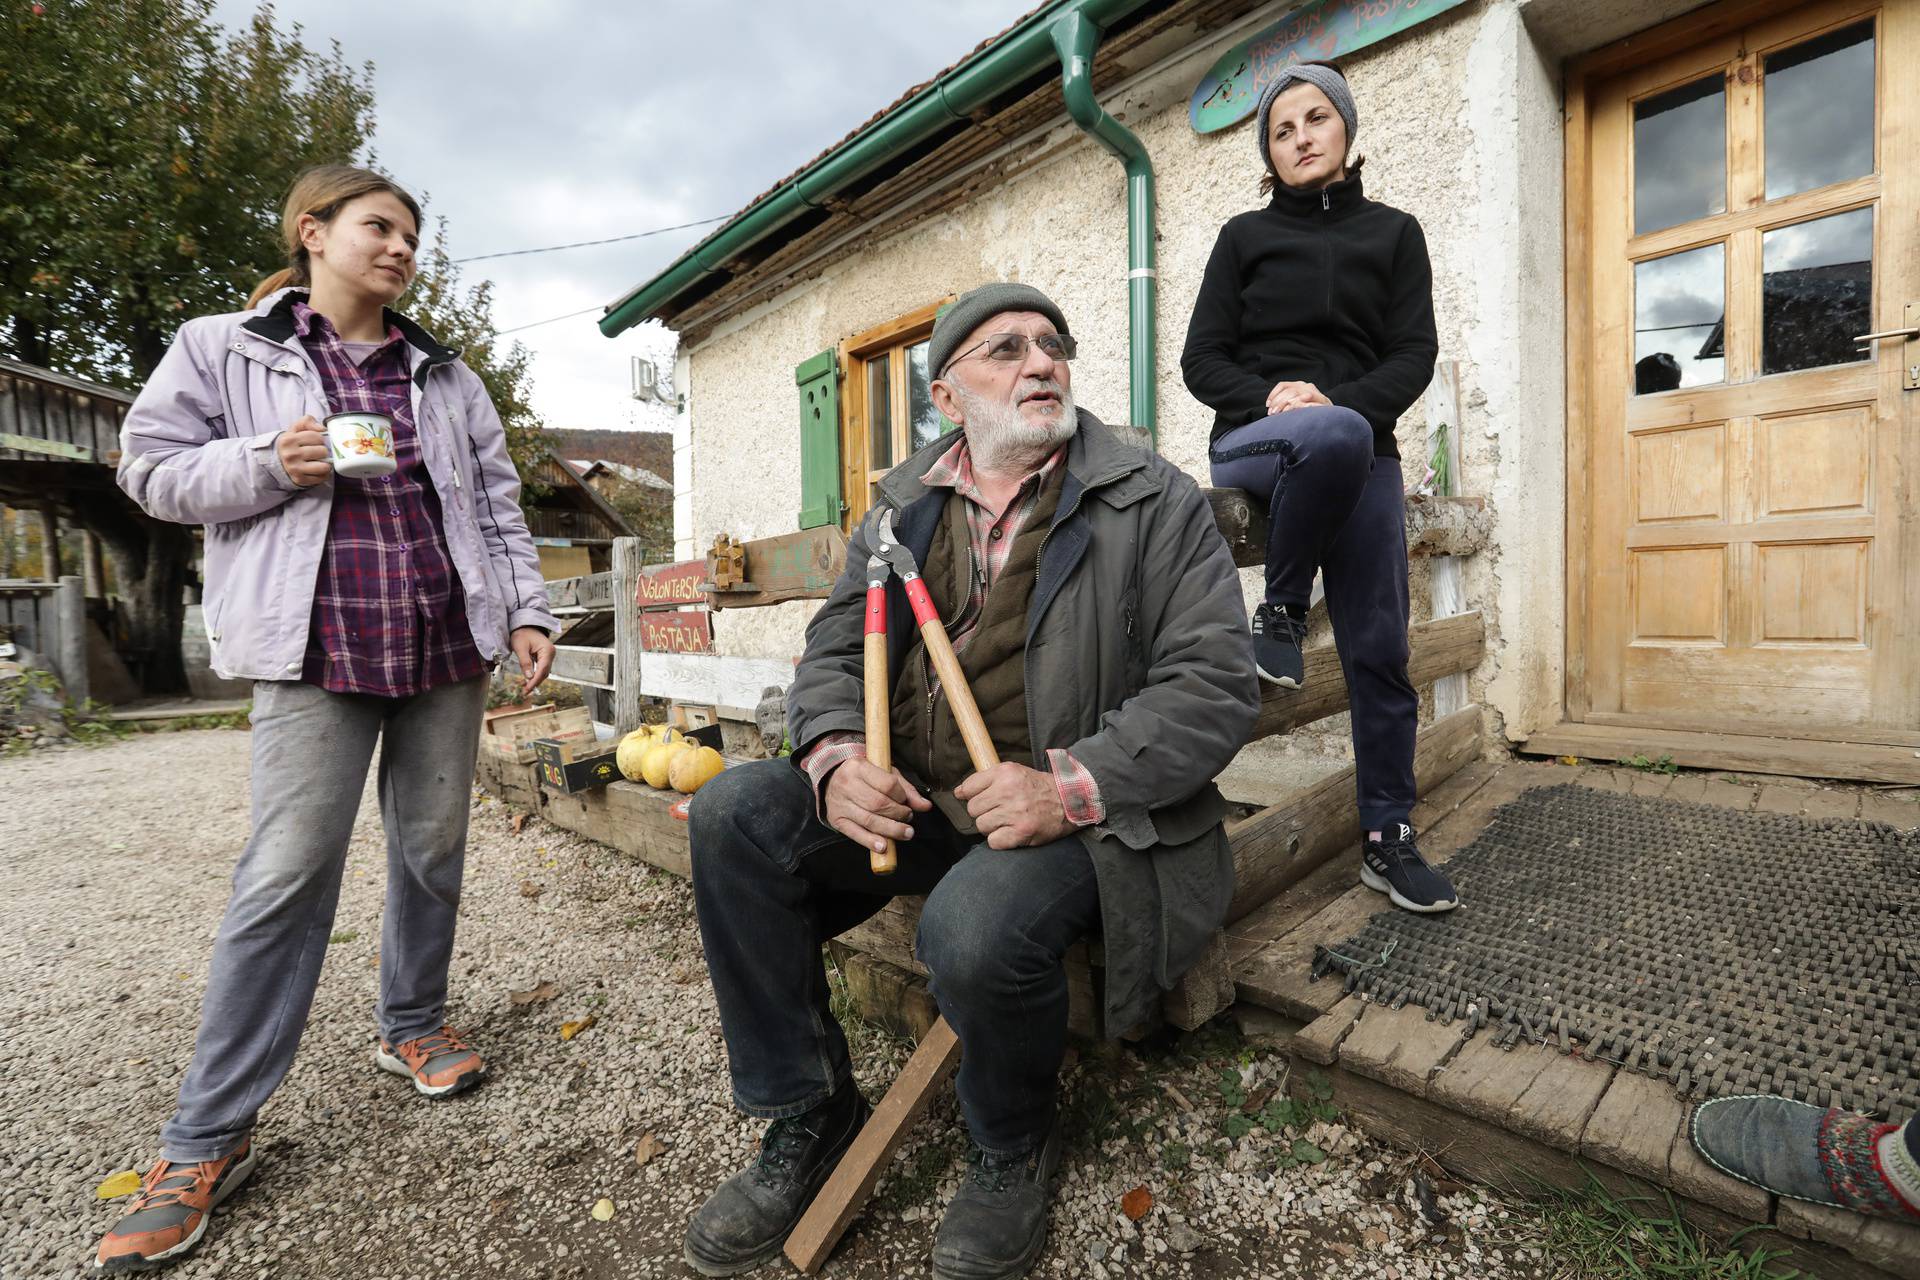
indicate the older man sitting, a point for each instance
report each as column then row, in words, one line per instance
column 1097, row 616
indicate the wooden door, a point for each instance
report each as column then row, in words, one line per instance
column 1750, row 550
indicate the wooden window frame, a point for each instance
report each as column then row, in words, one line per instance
column 857, row 352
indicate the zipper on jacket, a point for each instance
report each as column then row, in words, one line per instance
column 1326, row 202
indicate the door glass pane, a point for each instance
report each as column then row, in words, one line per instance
column 879, row 414
column 1817, row 292
column 1680, row 155
column 1820, row 111
column 929, row 424
column 1679, row 308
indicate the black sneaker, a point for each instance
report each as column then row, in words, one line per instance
column 1276, row 646
column 747, row 1220
column 996, row 1225
column 1392, row 865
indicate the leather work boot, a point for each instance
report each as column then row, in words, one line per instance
column 997, row 1224
column 168, row 1219
column 748, row 1219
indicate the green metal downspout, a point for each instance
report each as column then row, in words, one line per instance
column 1015, row 57
column 1075, row 36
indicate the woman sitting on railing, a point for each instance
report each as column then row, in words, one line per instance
column 1312, row 333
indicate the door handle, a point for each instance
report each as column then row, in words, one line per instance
column 1909, row 334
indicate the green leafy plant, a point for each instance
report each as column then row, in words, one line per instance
column 1664, row 765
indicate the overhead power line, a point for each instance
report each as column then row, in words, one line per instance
column 549, row 320
column 582, row 244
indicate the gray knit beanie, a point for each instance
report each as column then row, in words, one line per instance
column 1324, row 78
column 977, row 306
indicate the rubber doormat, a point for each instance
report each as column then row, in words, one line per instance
column 1726, row 952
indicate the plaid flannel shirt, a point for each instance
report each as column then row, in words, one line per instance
column 991, row 537
column 389, row 616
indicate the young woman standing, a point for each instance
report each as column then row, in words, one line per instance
column 1312, row 333
column 368, row 609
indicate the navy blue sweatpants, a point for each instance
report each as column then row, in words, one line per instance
column 1335, row 507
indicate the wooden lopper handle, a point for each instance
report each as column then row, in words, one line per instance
column 879, row 695
column 966, row 712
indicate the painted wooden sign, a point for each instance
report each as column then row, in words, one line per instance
column 672, row 585
column 676, row 632
column 1316, row 31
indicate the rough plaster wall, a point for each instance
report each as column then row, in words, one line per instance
column 1460, row 123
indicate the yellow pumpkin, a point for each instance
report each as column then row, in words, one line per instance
column 658, row 760
column 691, row 770
column 628, row 754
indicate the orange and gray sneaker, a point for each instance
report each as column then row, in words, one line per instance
column 439, row 1063
column 168, row 1218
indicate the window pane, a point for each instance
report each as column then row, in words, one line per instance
column 1817, row 292
column 1680, row 155
column 1679, row 305
column 929, row 424
column 879, row 414
column 1820, row 111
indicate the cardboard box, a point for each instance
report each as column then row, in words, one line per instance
column 511, row 736
column 575, row 765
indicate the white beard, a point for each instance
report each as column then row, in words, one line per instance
column 1002, row 438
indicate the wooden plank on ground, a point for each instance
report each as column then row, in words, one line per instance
column 1555, row 1108
column 1803, row 758
column 1896, row 808
column 1320, row 1040
column 839, row 1201
column 1437, row 648
column 1486, row 1083
column 1401, row 1048
column 1283, row 842
column 1633, row 1128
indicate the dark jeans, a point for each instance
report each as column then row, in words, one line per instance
column 1335, row 507
column 772, row 883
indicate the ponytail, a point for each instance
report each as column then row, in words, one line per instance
column 279, row 280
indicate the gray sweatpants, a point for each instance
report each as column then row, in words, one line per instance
column 311, row 752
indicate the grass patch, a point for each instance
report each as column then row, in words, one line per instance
column 342, row 935
column 1592, row 1232
column 1663, row 765
column 913, row 1181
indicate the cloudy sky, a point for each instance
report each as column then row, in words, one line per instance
column 551, row 121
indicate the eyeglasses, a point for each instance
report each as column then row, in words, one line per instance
column 1013, row 346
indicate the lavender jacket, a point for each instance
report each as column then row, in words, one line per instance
column 197, row 447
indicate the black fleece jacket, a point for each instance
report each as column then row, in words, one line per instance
column 1326, row 287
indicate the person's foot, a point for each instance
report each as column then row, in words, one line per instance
column 746, row 1221
column 1393, row 865
column 1277, row 636
column 168, row 1219
column 997, row 1223
column 440, row 1063
column 1806, row 1152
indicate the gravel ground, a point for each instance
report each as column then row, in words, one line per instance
column 113, row 878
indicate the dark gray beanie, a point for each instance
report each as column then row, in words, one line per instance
column 1327, row 80
column 977, row 306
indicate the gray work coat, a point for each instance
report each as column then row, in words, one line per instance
column 1139, row 665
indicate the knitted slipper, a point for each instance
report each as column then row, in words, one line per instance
column 1803, row 1152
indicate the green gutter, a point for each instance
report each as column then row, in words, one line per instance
column 1074, row 36
column 1019, row 55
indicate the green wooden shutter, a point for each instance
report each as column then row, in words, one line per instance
column 819, row 381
